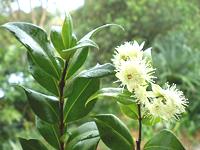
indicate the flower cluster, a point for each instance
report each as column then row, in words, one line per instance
column 135, row 72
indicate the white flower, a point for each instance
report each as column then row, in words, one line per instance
column 134, row 73
column 126, row 52
column 141, row 95
column 167, row 103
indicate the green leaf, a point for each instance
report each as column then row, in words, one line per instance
column 83, row 44
column 91, row 33
column 31, row 144
column 85, row 137
column 43, row 78
column 45, row 107
column 98, row 71
column 122, row 96
column 67, row 30
column 77, row 61
column 49, row 132
column 149, row 120
column 37, row 44
column 164, row 140
column 56, row 38
column 113, row 132
column 82, row 89
column 130, row 110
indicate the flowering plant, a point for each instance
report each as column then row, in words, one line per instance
column 55, row 65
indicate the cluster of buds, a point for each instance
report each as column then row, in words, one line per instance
column 135, row 72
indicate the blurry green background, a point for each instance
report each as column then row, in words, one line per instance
column 171, row 27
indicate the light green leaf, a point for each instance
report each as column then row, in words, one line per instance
column 130, row 110
column 56, row 38
column 113, row 132
column 164, row 140
column 37, row 44
column 49, row 132
column 85, row 137
column 45, row 107
column 67, row 30
column 83, row 44
column 43, row 78
column 31, row 144
column 122, row 96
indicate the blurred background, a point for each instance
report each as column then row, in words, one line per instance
column 171, row 27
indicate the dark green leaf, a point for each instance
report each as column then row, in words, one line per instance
column 77, row 61
column 82, row 89
column 123, row 96
column 113, row 132
column 43, row 78
column 98, row 71
column 49, row 132
column 45, row 107
column 164, row 140
column 37, row 44
column 67, row 30
column 31, row 144
column 85, row 137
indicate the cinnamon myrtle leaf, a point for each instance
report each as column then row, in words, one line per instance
column 120, row 95
column 83, row 44
column 130, row 111
column 67, row 30
column 43, row 78
column 45, row 107
column 85, row 137
column 164, row 140
column 98, row 71
column 82, row 89
column 77, row 61
column 93, row 32
column 32, row 144
column 113, row 132
column 36, row 42
column 56, row 38
column 50, row 132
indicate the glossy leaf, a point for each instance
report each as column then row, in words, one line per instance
column 67, row 29
column 56, row 38
column 77, row 61
column 98, row 71
column 83, row 44
column 37, row 44
column 130, row 110
column 120, row 95
column 49, row 132
column 113, row 132
column 31, row 144
column 85, row 137
column 82, row 89
column 45, row 107
column 165, row 140
column 91, row 33
column 43, row 78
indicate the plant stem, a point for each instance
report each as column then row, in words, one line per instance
column 61, row 105
column 138, row 141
